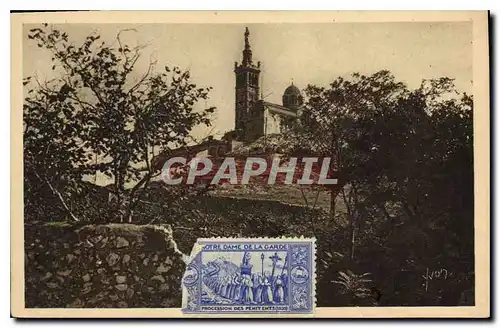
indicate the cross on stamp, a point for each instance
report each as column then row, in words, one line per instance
column 250, row 276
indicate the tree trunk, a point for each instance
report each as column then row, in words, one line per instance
column 133, row 199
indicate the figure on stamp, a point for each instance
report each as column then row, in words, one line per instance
column 284, row 279
column 237, row 287
column 246, row 283
column 257, row 288
column 246, row 290
column 279, row 294
column 267, row 293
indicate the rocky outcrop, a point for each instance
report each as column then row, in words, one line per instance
column 101, row 266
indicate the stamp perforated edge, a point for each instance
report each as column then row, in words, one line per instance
column 197, row 248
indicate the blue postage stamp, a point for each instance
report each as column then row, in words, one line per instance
column 250, row 276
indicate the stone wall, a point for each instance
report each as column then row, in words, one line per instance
column 101, row 266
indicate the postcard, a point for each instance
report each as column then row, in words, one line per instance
column 250, row 164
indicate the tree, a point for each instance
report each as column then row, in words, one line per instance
column 95, row 117
column 333, row 118
column 406, row 155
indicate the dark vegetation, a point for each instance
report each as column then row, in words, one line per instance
column 405, row 210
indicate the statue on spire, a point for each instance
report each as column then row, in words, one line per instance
column 247, row 43
column 247, row 53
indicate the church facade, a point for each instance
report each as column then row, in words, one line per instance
column 255, row 117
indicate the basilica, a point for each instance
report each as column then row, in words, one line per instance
column 255, row 117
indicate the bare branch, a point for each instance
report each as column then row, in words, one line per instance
column 58, row 194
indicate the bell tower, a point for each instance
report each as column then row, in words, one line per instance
column 247, row 88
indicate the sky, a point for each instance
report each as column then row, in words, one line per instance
column 313, row 53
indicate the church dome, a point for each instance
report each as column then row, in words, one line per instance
column 292, row 97
column 292, row 90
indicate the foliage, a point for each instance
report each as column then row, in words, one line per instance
column 407, row 158
column 98, row 116
column 355, row 285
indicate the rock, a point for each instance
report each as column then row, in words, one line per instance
column 77, row 303
column 103, row 242
column 52, row 285
column 121, row 287
column 158, row 278
column 113, row 297
column 87, row 287
column 64, row 273
column 122, row 304
column 167, row 303
column 130, row 293
column 96, row 239
column 46, row 276
column 121, row 242
column 121, row 279
column 99, row 297
column 112, row 259
column 163, row 268
column 86, row 278
column 70, row 258
column 126, row 259
column 145, row 262
column 164, row 288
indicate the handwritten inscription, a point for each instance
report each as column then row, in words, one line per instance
column 441, row 274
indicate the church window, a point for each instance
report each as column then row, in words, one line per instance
column 240, row 79
column 254, row 79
